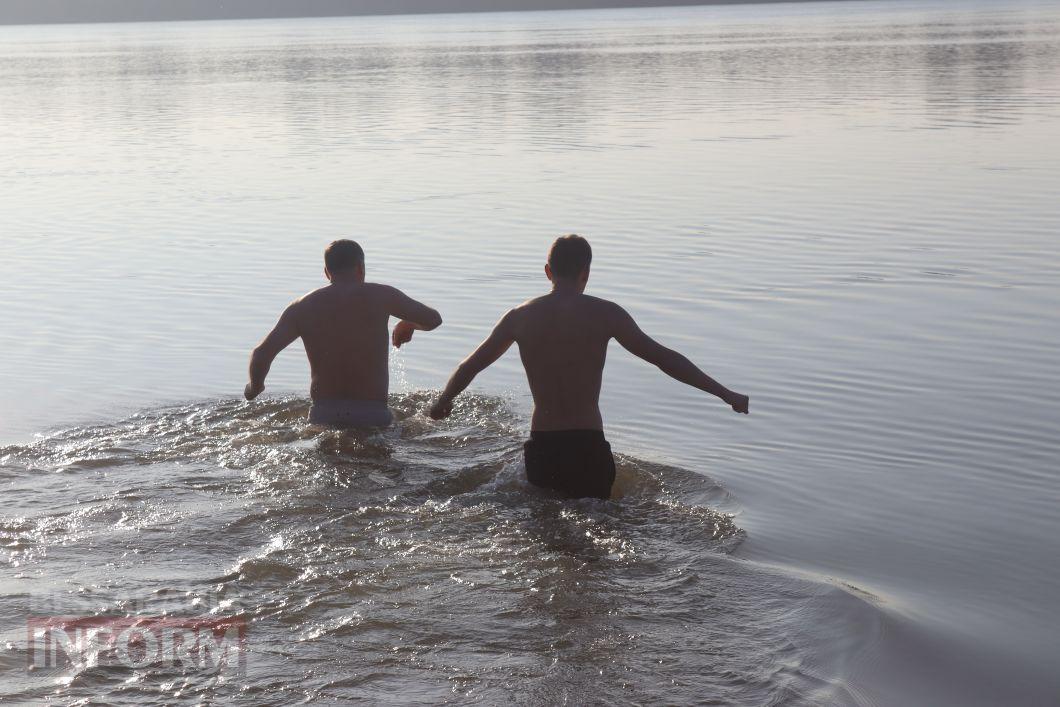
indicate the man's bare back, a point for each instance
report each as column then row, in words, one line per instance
column 563, row 338
column 344, row 329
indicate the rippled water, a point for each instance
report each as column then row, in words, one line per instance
column 415, row 563
column 846, row 210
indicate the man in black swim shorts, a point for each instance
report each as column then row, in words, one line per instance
column 563, row 338
column 577, row 463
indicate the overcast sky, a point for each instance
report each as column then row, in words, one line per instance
column 34, row 11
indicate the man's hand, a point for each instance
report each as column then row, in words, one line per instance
column 252, row 391
column 441, row 409
column 403, row 331
column 739, row 403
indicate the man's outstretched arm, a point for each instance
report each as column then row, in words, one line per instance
column 413, row 316
column 499, row 341
column 281, row 336
column 671, row 362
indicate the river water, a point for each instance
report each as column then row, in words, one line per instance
column 847, row 210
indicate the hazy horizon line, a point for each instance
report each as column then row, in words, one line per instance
column 52, row 12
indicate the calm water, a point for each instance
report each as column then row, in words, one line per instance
column 847, row 210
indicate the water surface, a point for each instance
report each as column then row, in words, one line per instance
column 846, row 210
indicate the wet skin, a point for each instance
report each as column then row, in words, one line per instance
column 344, row 329
column 563, row 338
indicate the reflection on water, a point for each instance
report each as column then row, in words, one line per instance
column 846, row 209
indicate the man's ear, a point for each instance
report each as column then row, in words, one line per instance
column 360, row 272
column 584, row 277
column 548, row 272
column 327, row 274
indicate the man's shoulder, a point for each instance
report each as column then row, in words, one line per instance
column 378, row 289
column 597, row 305
column 532, row 303
column 310, row 297
column 600, row 309
column 600, row 303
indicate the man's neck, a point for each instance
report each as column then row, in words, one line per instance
column 566, row 287
column 346, row 280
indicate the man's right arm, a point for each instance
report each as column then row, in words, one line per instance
column 671, row 362
column 495, row 345
column 281, row 336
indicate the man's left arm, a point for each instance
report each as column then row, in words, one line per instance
column 281, row 336
column 670, row 362
column 413, row 316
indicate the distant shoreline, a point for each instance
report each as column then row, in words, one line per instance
column 54, row 12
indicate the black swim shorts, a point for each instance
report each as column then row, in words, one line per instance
column 576, row 463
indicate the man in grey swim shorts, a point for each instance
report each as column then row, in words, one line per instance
column 344, row 329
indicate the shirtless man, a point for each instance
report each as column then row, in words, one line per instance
column 563, row 338
column 344, row 329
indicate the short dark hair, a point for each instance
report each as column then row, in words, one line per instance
column 569, row 256
column 343, row 255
